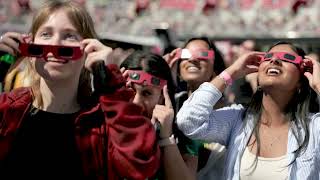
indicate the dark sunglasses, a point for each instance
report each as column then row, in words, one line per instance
column 65, row 53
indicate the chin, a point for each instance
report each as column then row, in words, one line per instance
column 197, row 80
column 270, row 84
column 55, row 76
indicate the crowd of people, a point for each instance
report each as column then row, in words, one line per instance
column 138, row 17
column 71, row 107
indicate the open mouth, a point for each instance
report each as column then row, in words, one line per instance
column 193, row 68
column 273, row 71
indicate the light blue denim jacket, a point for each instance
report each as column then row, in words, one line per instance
column 198, row 120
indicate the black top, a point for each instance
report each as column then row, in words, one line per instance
column 44, row 148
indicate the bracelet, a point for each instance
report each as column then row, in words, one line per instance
column 226, row 77
column 168, row 141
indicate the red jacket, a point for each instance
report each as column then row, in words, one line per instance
column 123, row 144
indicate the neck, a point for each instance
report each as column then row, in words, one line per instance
column 192, row 87
column 59, row 97
column 274, row 108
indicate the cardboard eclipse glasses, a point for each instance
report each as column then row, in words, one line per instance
column 65, row 53
column 284, row 56
column 287, row 57
column 141, row 77
column 200, row 55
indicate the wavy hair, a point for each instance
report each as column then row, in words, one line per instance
column 83, row 22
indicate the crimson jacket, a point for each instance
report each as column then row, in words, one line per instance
column 123, row 144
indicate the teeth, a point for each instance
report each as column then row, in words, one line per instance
column 192, row 68
column 273, row 71
column 55, row 60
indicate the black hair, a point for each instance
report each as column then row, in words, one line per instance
column 297, row 109
column 157, row 66
column 152, row 64
column 218, row 65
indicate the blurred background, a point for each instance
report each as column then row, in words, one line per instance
column 161, row 25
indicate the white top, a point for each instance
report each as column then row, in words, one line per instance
column 265, row 169
column 197, row 120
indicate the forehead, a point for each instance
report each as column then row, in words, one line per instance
column 59, row 20
column 140, row 87
column 197, row 45
column 283, row 48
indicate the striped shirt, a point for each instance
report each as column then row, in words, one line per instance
column 199, row 121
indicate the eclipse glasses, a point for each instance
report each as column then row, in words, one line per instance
column 199, row 55
column 291, row 58
column 65, row 53
column 141, row 77
column 284, row 56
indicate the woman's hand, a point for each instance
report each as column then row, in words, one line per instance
column 125, row 75
column 314, row 75
column 172, row 60
column 171, row 57
column 245, row 64
column 96, row 51
column 9, row 42
column 164, row 114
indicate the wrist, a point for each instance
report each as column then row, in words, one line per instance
column 169, row 141
column 317, row 89
column 226, row 77
column 166, row 134
column 232, row 72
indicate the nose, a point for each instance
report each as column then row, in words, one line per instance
column 275, row 60
column 137, row 99
column 193, row 60
column 56, row 40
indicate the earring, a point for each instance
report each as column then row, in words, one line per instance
column 259, row 88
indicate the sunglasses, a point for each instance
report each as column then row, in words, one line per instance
column 65, row 53
column 141, row 77
column 200, row 55
column 284, row 56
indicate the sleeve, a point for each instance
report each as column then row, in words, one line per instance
column 133, row 152
column 198, row 120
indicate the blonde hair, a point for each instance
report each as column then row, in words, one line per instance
column 83, row 22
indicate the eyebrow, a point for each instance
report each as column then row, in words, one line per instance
column 64, row 29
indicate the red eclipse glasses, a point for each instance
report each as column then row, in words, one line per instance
column 65, row 53
column 200, row 55
column 141, row 77
column 284, row 56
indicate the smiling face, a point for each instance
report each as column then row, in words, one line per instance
column 58, row 30
column 279, row 74
column 194, row 70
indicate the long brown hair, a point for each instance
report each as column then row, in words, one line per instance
column 297, row 109
column 83, row 22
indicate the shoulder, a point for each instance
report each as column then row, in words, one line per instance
column 20, row 95
column 314, row 120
